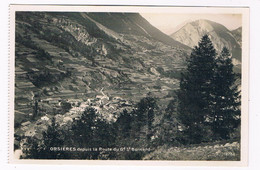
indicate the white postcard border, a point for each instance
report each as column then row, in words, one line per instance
column 144, row 9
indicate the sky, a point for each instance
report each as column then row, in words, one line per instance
column 169, row 23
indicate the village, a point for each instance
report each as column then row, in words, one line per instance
column 108, row 108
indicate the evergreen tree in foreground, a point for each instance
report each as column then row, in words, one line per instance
column 226, row 110
column 167, row 131
column 208, row 98
column 92, row 131
column 41, row 149
column 196, row 87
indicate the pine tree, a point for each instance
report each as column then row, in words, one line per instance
column 196, row 87
column 209, row 102
column 91, row 131
column 225, row 111
column 144, row 116
column 123, row 125
column 167, row 131
column 53, row 137
column 135, row 129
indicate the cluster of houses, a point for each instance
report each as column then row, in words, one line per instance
column 109, row 108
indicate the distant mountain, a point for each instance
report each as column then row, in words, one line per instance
column 191, row 33
column 237, row 33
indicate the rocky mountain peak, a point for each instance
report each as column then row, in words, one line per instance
column 191, row 33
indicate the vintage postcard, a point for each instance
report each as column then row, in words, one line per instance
column 129, row 85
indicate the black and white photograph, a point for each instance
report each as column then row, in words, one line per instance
column 129, row 83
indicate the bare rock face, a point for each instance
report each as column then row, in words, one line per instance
column 237, row 33
column 191, row 33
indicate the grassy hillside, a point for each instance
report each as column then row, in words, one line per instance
column 210, row 151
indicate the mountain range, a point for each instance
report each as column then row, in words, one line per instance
column 71, row 54
column 65, row 56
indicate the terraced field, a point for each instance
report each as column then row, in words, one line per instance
column 65, row 57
